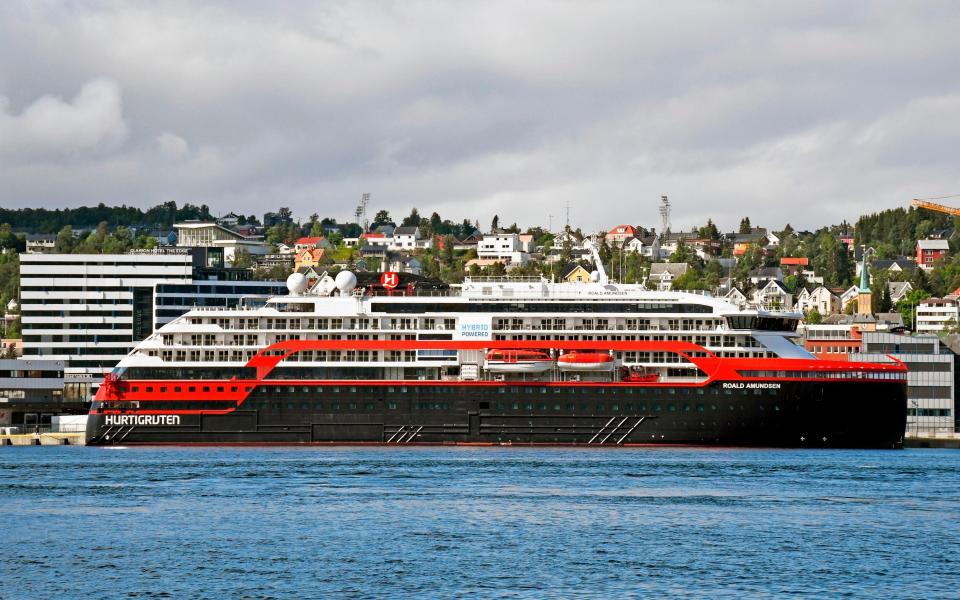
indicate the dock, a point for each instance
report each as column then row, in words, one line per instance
column 42, row 439
column 940, row 440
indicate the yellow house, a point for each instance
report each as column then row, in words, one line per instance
column 309, row 257
column 574, row 273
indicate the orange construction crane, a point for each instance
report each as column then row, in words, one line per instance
column 937, row 207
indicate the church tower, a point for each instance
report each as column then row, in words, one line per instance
column 864, row 296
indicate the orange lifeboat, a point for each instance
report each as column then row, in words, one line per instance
column 639, row 375
column 518, row 361
column 580, row 360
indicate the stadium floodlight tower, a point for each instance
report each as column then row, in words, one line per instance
column 664, row 215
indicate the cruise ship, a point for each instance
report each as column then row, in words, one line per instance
column 396, row 359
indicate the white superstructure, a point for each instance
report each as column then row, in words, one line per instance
column 527, row 309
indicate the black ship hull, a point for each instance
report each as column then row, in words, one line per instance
column 793, row 414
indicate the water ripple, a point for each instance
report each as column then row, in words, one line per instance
column 465, row 522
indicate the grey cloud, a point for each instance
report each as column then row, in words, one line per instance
column 51, row 127
column 809, row 113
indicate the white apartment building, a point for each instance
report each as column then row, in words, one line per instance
column 936, row 314
column 405, row 238
column 91, row 309
column 502, row 246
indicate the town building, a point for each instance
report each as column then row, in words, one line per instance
column 822, row 299
column 575, row 273
column 849, row 295
column 762, row 275
column 648, row 246
column 405, row 264
column 90, row 310
column 405, row 238
column 566, row 238
column 11, row 347
column 621, row 233
column 899, row 290
column 737, row 298
column 930, row 251
column 742, row 242
column 40, row 243
column 556, row 255
column 662, row 275
column 833, row 339
column 308, row 257
column 375, row 239
column 211, row 235
column 32, row 391
column 310, row 243
column 230, row 220
column 794, row 264
column 895, row 265
column 773, row 295
column 527, row 243
column 504, row 247
column 279, row 259
column 470, row 241
column 931, row 404
column 936, row 314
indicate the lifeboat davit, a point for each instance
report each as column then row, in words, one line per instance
column 585, row 361
column 518, row 361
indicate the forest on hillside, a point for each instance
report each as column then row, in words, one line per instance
column 43, row 220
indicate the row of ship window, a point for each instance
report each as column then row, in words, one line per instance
column 884, row 375
column 517, row 391
column 176, row 389
column 515, row 406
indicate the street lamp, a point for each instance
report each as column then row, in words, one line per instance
column 916, row 417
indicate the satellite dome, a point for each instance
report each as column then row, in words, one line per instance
column 594, row 276
column 297, row 283
column 345, row 281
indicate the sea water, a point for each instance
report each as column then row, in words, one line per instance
column 477, row 522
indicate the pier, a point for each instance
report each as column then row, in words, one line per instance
column 42, row 439
column 935, row 440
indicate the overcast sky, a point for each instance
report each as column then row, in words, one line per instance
column 804, row 112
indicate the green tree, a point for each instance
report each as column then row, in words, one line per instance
column 709, row 231
column 908, row 305
column 119, row 242
column 9, row 240
column 242, row 259
column 813, row 317
column 919, row 280
column 683, row 253
column 413, row 220
column 382, row 218
column 886, row 302
column 65, row 242
column 745, row 226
